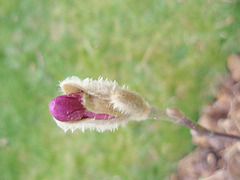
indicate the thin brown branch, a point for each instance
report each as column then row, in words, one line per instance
column 178, row 117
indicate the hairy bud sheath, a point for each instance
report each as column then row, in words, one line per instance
column 100, row 104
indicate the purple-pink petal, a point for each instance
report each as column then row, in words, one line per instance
column 90, row 114
column 67, row 107
column 70, row 108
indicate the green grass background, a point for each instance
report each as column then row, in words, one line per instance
column 169, row 51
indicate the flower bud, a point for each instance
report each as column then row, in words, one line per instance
column 96, row 104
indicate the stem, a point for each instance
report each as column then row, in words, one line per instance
column 174, row 115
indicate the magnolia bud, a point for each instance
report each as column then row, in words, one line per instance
column 96, row 104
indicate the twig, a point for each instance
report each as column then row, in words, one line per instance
column 176, row 116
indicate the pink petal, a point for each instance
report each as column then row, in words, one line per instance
column 67, row 107
column 90, row 114
column 70, row 108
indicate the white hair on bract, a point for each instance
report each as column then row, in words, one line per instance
column 123, row 104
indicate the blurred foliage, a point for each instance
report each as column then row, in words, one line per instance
column 169, row 51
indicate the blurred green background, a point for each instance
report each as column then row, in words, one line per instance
column 171, row 52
